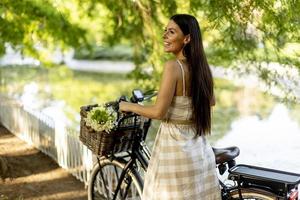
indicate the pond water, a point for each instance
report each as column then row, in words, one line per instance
column 273, row 142
column 266, row 130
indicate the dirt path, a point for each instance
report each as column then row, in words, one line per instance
column 34, row 175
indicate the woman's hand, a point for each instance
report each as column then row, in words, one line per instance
column 124, row 106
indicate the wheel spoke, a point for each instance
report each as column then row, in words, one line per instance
column 104, row 182
column 128, row 183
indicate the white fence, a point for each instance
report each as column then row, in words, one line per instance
column 51, row 138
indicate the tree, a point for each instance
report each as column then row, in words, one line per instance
column 32, row 26
column 247, row 34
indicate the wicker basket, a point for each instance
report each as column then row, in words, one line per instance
column 103, row 143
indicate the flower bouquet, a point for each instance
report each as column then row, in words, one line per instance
column 101, row 118
column 100, row 133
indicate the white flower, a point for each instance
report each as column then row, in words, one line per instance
column 101, row 118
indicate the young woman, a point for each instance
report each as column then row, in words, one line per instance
column 182, row 165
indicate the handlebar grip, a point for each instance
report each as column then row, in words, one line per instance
column 113, row 104
column 122, row 98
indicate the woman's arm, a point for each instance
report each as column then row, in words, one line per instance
column 164, row 97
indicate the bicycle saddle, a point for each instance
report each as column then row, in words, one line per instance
column 225, row 154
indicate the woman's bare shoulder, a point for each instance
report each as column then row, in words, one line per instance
column 171, row 65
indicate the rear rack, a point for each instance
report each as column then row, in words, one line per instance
column 277, row 181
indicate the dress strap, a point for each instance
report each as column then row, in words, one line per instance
column 183, row 80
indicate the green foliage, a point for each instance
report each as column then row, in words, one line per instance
column 100, row 116
column 139, row 24
column 33, row 26
column 234, row 32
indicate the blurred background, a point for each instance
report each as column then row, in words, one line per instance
column 58, row 55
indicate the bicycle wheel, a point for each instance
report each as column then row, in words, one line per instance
column 104, row 181
column 252, row 194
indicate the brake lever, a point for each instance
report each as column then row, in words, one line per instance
column 123, row 98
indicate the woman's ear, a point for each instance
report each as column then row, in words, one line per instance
column 187, row 39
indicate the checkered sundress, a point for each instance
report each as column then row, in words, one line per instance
column 182, row 167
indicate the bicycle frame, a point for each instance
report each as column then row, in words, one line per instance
column 140, row 153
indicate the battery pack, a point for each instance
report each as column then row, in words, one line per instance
column 279, row 182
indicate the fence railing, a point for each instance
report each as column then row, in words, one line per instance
column 51, row 137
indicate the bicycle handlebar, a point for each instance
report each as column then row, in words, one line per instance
column 137, row 96
column 148, row 95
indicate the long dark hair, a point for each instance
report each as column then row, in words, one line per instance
column 201, row 76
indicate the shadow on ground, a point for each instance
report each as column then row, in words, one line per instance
column 29, row 174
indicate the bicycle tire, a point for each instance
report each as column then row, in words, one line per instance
column 103, row 187
column 252, row 194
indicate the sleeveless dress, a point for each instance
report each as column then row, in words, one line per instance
column 182, row 166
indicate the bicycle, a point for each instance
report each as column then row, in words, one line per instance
column 252, row 182
column 120, row 175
